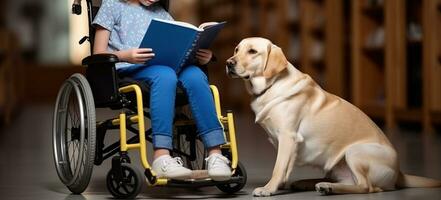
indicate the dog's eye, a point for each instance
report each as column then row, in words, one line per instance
column 252, row 51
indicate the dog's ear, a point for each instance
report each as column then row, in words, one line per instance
column 276, row 61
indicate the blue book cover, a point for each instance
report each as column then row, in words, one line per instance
column 175, row 43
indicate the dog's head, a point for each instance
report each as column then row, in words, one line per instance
column 256, row 57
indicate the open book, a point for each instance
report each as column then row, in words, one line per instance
column 175, row 43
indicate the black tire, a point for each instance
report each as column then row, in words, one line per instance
column 185, row 139
column 73, row 133
column 131, row 184
column 183, row 144
column 235, row 187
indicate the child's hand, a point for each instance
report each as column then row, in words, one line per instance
column 204, row 56
column 137, row 56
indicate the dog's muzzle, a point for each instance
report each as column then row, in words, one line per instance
column 230, row 68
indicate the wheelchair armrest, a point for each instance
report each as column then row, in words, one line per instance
column 103, row 78
column 103, row 58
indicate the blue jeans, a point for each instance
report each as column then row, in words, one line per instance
column 163, row 81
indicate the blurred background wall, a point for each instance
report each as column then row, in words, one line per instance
column 383, row 56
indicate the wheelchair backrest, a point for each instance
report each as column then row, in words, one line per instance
column 102, row 78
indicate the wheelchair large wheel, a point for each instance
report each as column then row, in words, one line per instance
column 125, row 184
column 73, row 133
column 232, row 188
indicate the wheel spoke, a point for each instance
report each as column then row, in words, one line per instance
column 130, row 176
column 71, row 150
column 71, row 113
column 132, row 185
column 125, row 189
column 73, row 162
column 118, row 186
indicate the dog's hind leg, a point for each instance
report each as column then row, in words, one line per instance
column 359, row 158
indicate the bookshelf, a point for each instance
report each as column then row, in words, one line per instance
column 234, row 13
column 431, row 71
column 382, row 55
column 314, row 36
column 370, row 60
column 396, row 74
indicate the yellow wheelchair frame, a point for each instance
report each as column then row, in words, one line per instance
column 142, row 146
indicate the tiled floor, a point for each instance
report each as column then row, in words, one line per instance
column 27, row 170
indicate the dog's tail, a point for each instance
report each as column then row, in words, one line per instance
column 405, row 180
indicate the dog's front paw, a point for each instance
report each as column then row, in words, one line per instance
column 323, row 188
column 263, row 192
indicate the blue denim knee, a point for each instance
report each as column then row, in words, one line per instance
column 163, row 82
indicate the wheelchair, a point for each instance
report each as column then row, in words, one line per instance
column 78, row 139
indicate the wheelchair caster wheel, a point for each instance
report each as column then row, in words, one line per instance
column 232, row 188
column 125, row 184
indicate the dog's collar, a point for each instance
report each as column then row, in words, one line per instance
column 264, row 90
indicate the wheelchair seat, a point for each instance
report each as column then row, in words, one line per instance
column 181, row 96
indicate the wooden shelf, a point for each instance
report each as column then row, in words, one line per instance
column 318, row 63
column 374, row 49
column 375, row 111
column 2, row 56
column 318, row 32
column 439, row 7
column 436, row 117
column 411, row 115
column 294, row 26
column 376, row 12
column 416, row 115
column 376, row 53
column 415, row 42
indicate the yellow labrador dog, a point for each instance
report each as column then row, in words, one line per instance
column 310, row 126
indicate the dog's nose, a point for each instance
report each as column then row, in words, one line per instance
column 231, row 63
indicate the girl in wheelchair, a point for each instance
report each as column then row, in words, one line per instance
column 120, row 26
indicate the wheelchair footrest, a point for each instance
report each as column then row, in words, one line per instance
column 199, row 174
column 190, row 183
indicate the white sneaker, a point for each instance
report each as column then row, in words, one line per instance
column 218, row 167
column 167, row 167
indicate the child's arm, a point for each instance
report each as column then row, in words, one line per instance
column 136, row 55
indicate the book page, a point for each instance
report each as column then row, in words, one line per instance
column 179, row 23
column 207, row 24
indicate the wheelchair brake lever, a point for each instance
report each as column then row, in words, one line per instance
column 83, row 39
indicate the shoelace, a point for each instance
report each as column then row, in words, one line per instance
column 172, row 163
column 215, row 160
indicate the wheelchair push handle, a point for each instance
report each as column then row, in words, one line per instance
column 76, row 7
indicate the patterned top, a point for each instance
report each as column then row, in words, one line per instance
column 127, row 23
